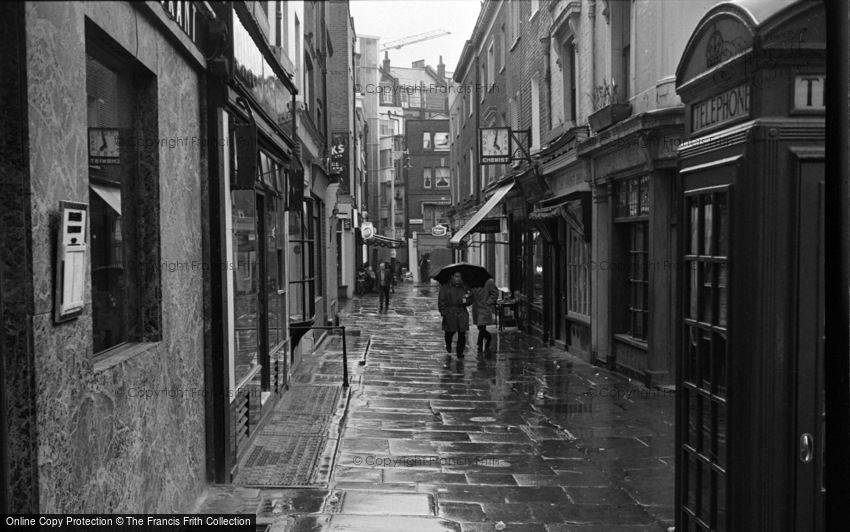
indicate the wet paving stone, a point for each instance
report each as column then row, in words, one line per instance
column 530, row 439
column 379, row 503
column 462, row 512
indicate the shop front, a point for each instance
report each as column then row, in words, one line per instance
column 563, row 223
column 749, row 425
column 632, row 177
column 256, row 234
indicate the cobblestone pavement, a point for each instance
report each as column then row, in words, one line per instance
column 529, row 439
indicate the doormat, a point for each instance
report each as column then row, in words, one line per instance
column 286, row 450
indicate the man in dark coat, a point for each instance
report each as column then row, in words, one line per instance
column 452, row 302
column 384, row 284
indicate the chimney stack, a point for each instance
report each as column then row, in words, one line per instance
column 387, row 62
column 441, row 69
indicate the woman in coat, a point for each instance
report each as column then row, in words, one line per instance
column 483, row 311
column 452, row 302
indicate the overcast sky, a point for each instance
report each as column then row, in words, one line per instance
column 395, row 19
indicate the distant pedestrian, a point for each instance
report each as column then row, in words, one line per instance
column 453, row 299
column 370, row 274
column 483, row 311
column 385, row 280
column 425, row 268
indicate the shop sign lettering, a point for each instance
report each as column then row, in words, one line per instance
column 183, row 13
column 725, row 107
column 808, row 93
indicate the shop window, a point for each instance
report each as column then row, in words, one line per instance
column 426, row 141
column 426, row 178
column 121, row 110
column 442, row 177
column 578, row 295
column 302, row 264
column 246, row 284
column 704, row 365
column 632, row 213
column 536, row 270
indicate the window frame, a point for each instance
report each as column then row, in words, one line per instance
column 139, row 250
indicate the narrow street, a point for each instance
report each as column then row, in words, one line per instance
column 530, row 439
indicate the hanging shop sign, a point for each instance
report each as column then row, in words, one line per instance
column 339, row 159
column 722, row 108
column 367, row 230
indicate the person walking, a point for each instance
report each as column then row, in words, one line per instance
column 452, row 302
column 384, row 283
column 425, row 268
column 483, row 312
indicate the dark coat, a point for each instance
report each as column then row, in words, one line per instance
column 484, row 303
column 452, row 308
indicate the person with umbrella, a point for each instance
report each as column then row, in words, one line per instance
column 483, row 310
column 455, row 280
column 452, row 302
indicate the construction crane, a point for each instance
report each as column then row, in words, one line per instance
column 419, row 37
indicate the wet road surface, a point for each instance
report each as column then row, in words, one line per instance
column 528, row 439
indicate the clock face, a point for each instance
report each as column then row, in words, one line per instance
column 495, row 142
column 103, row 145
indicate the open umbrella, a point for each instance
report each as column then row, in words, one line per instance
column 474, row 276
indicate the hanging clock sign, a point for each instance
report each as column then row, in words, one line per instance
column 495, row 145
column 104, row 146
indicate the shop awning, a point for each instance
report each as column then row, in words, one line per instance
column 559, row 206
column 111, row 195
column 384, row 242
column 494, row 200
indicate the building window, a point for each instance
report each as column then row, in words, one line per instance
column 308, row 82
column 514, row 23
column 426, row 178
column 704, row 366
column 386, row 94
column 535, row 113
column 578, row 296
column 621, row 38
column 633, row 197
column 483, row 79
column 121, row 108
column 502, row 48
column 302, row 263
column 414, row 96
column 472, row 176
column 633, row 227
column 441, row 141
column 426, row 141
column 491, row 66
column 442, row 177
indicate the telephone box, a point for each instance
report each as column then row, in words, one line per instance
column 749, row 425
